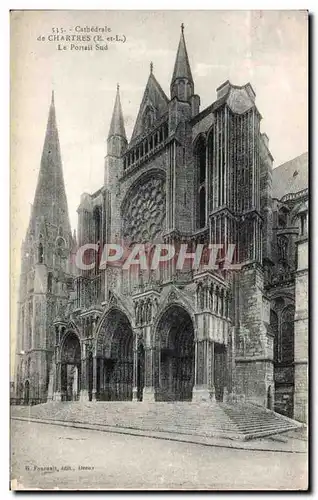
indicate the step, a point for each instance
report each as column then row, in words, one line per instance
column 204, row 419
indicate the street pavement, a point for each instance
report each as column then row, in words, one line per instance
column 54, row 457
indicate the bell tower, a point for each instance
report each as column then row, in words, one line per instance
column 116, row 146
column 46, row 271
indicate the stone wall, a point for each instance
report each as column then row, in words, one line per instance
column 301, row 334
column 254, row 362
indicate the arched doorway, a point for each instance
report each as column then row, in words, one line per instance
column 115, row 358
column 176, row 338
column 26, row 392
column 219, row 370
column 70, row 367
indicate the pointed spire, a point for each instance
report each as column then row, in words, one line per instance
column 182, row 65
column 74, row 242
column 50, row 199
column 117, row 126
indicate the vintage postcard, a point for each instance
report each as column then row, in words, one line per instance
column 159, row 250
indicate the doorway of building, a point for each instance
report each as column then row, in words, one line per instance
column 115, row 355
column 176, row 355
column 26, row 392
column 70, row 367
column 220, row 370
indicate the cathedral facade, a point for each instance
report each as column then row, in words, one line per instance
column 185, row 177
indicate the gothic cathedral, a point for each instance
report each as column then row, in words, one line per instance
column 186, row 176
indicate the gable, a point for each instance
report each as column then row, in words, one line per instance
column 153, row 106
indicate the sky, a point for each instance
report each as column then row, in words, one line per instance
column 266, row 48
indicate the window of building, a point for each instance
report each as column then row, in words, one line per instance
column 303, row 224
column 97, row 223
column 274, row 330
column 49, row 282
column 148, row 119
column 201, row 161
column 282, row 218
column 200, row 155
column 202, row 207
column 40, row 253
column 287, row 335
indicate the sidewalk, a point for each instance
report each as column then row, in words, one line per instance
column 290, row 442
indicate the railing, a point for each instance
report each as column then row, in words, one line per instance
column 294, row 196
column 146, row 146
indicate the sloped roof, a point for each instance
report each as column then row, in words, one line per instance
column 290, row 177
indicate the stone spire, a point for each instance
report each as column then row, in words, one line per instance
column 182, row 66
column 117, row 127
column 50, row 199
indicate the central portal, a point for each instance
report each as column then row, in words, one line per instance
column 176, row 355
column 115, row 359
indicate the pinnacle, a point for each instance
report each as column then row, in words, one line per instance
column 117, row 126
column 182, row 66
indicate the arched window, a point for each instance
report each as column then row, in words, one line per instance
column 49, row 282
column 274, row 330
column 40, row 253
column 303, row 223
column 148, row 119
column 97, row 223
column 282, row 217
column 182, row 96
column 287, row 334
column 200, row 155
column 202, row 207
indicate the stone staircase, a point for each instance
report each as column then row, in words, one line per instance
column 234, row 421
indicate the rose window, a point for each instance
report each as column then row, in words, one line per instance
column 144, row 214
